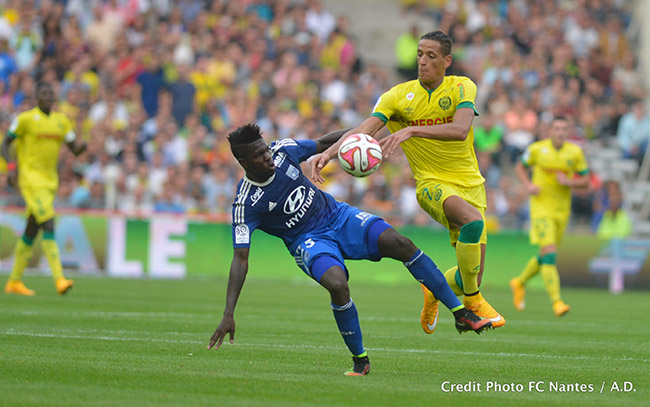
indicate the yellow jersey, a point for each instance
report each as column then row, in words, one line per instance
column 410, row 104
column 39, row 137
column 553, row 199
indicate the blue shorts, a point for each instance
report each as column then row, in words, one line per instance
column 344, row 238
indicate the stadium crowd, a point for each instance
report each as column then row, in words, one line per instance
column 153, row 86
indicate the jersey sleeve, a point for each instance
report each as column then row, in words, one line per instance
column 580, row 166
column 244, row 224
column 241, row 234
column 385, row 107
column 529, row 156
column 465, row 94
column 69, row 134
column 18, row 126
column 299, row 150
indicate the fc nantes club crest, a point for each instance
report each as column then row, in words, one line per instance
column 445, row 103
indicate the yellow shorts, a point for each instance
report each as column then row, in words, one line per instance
column 547, row 230
column 39, row 202
column 431, row 195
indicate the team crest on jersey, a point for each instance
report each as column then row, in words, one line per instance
column 279, row 159
column 408, row 110
column 410, row 96
column 445, row 103
column 242, row 235
column 257, row 195
column 292, row 172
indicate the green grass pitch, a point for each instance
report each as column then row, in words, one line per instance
column 114, row 342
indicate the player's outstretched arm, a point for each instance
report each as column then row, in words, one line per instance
column 370, row 126
column 76, row 147
column 4, row 148
column 326, row 141
column 11, row 165
column 522, row 174
column 238, row 270
column 457, row 130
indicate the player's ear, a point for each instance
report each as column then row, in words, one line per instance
column 243, row 163
column 448, row 59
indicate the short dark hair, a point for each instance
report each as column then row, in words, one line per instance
column 560, row 117
column 243, row 137
column 442, row 38
column 40, row 85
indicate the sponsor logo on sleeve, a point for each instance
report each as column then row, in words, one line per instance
column 292, row 172
column 279, row 159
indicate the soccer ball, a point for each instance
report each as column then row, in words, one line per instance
column 360, row 155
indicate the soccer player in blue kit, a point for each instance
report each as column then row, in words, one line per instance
column 319, row 232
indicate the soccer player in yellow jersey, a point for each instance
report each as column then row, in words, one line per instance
column 431, row 118
column 557, row 166
column 40, row 132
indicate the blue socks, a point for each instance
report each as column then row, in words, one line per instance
column 425, row 271
column 347, row 319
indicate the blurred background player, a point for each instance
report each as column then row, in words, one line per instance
column 40, row 132
column 320, row 232
column 557, row 166
column 431, row 118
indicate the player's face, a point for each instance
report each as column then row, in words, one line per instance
column 259, row 163
column 559, row 131
column 45, row 97
column 431, row 63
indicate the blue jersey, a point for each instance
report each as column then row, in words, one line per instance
column 287, row 205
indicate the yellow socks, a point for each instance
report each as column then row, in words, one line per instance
column 551, row 280
column 532, row 268
column 51, row 251
column 468, row 254
column 454, row 280
column 469, row 263
column 22, row 254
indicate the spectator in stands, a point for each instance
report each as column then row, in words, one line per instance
column 406, row 48
column 520, row 122
column 634, row 132
column 182, row 92
column 7, row 63
column 151, row 81
column 488, row 135
column 266, row 56
column 616, row 223
column 166, row 201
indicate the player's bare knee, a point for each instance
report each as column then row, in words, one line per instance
column 335, row 281
column 395, row 245
column 47, row 226
column 339, row 290
column 404, row 248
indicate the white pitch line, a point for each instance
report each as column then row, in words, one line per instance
column 281, row 346
column 250, row 316
column 131, row 332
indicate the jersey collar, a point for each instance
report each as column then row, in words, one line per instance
column 42, row 112
column 260, row 184
column 430, row 92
